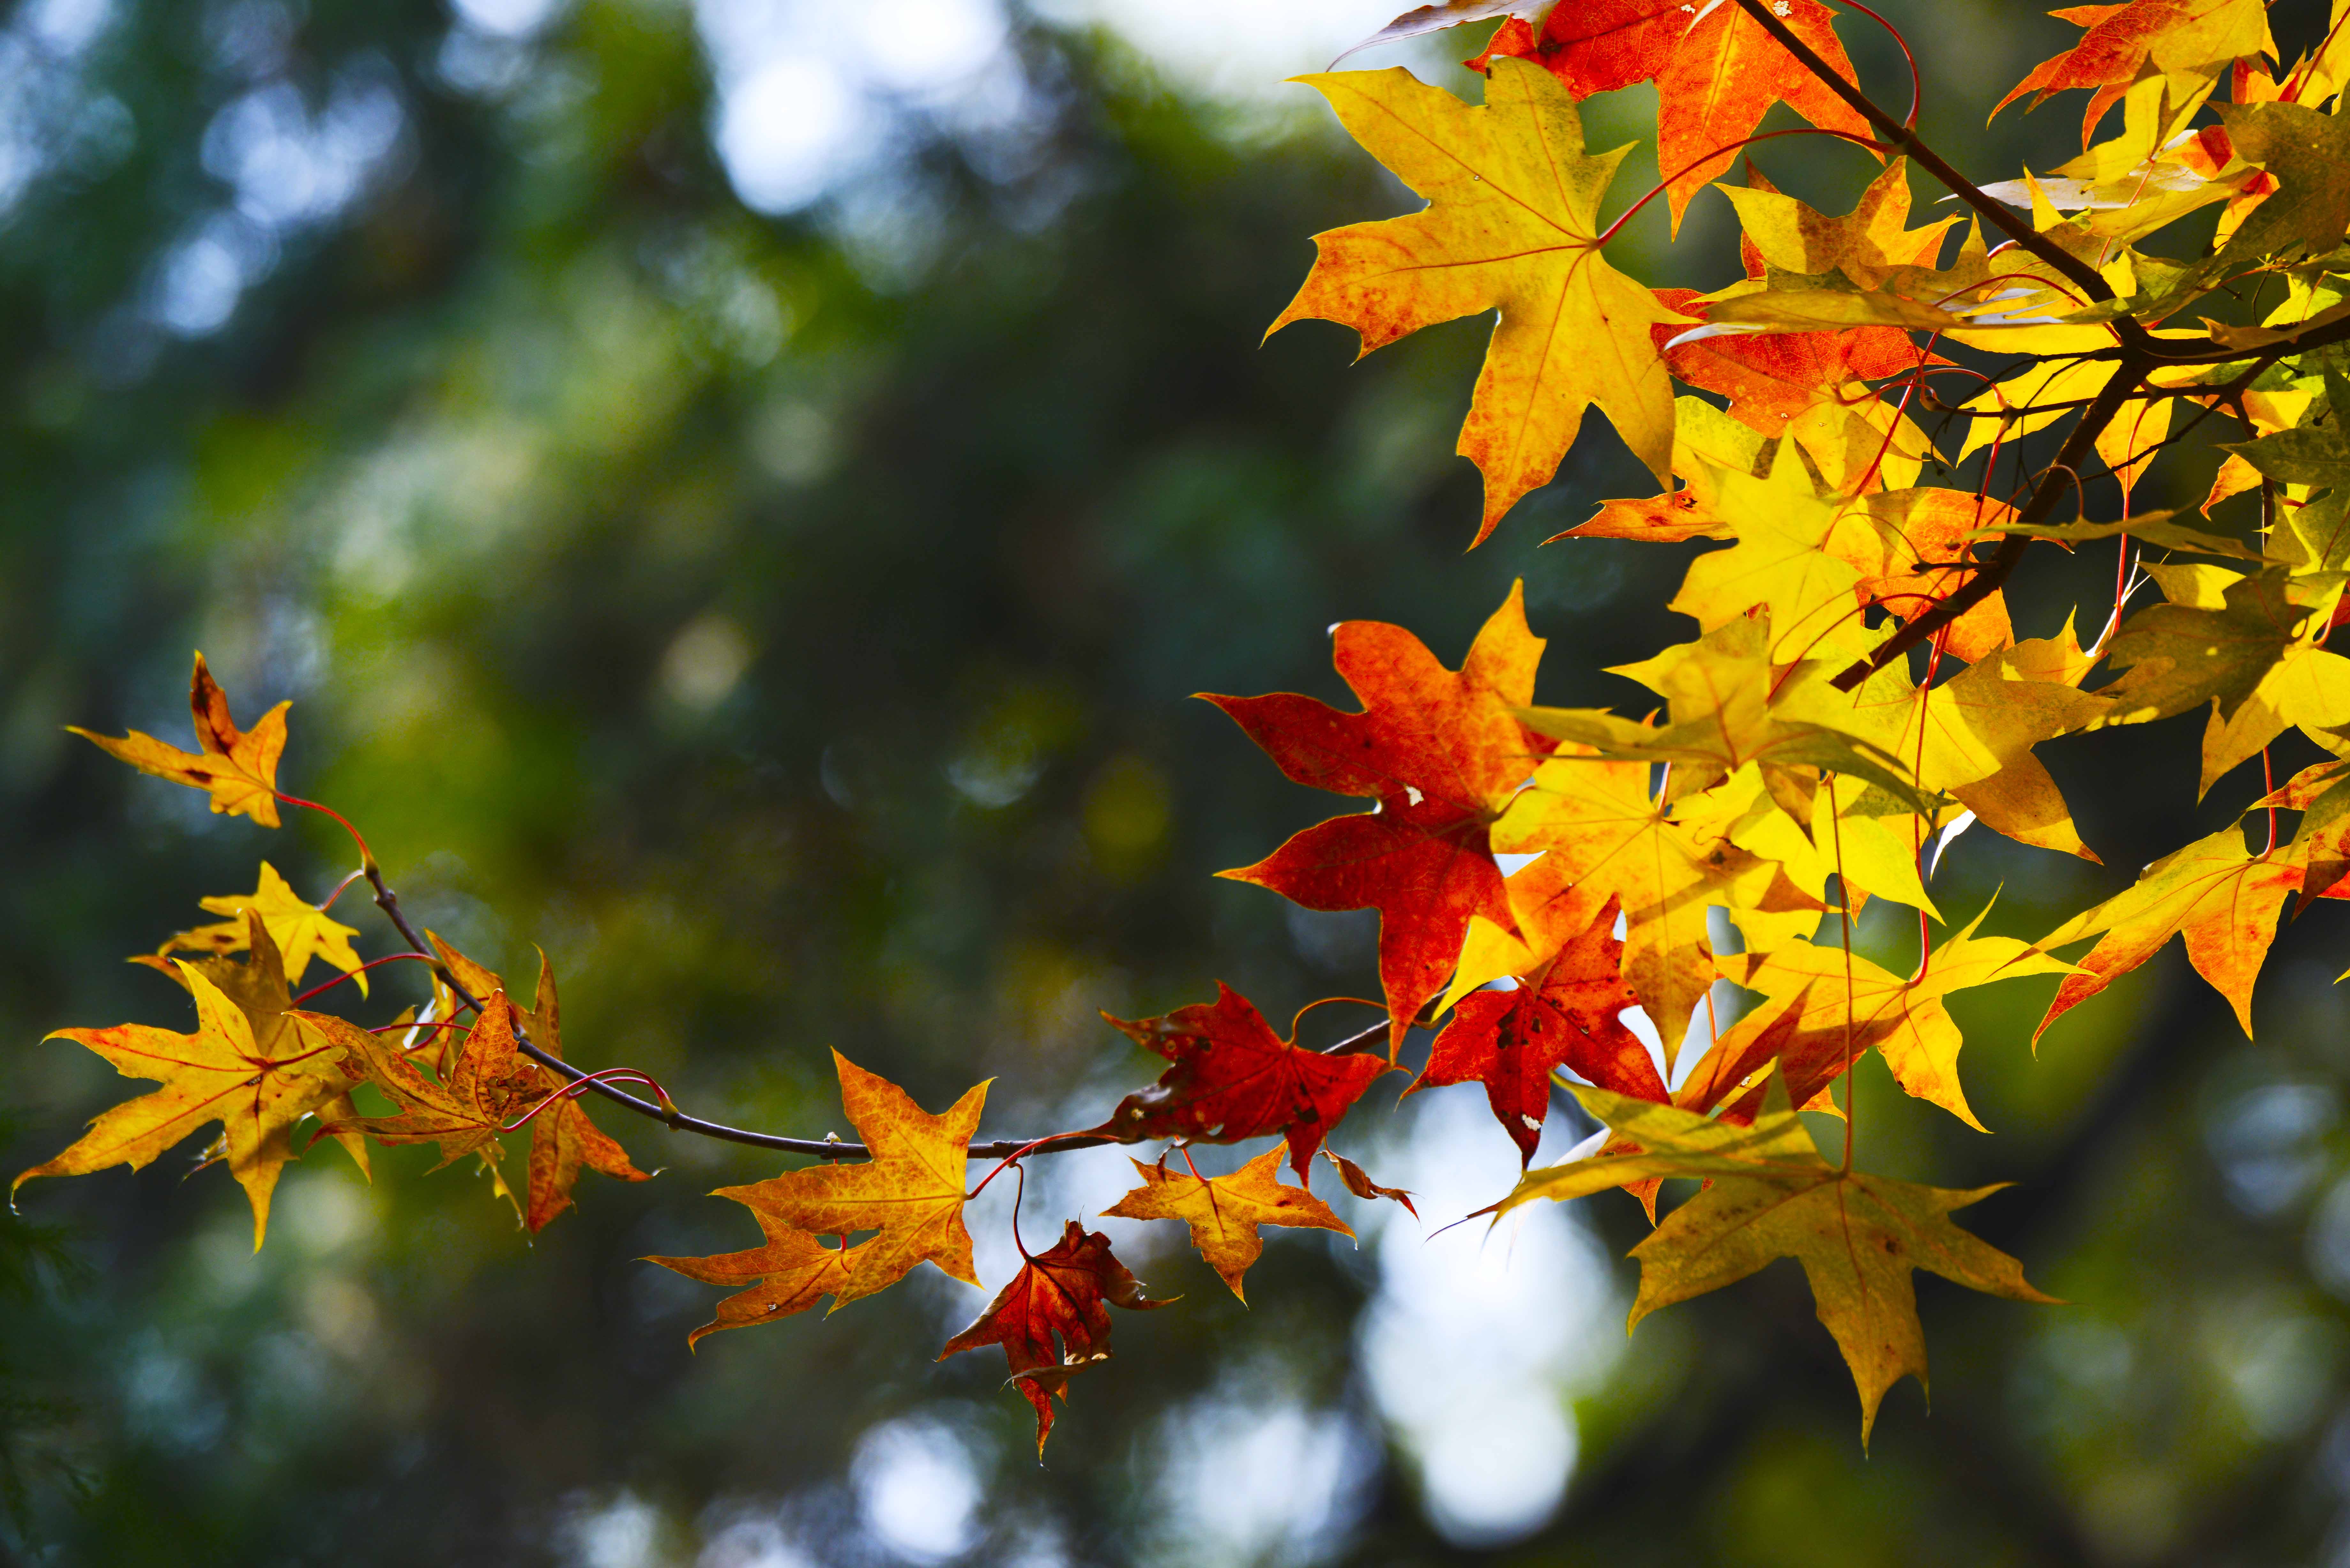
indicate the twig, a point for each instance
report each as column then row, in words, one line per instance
column 678, row 1121
column 1900, row 136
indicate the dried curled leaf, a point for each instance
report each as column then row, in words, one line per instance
column 1051, row 1320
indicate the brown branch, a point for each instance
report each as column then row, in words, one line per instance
column 2045, row 493
column 1996, row 213
column 678, row 1121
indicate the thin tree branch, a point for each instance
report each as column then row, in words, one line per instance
column 1900, row 136
column 678, row 1121
column 2045, row 493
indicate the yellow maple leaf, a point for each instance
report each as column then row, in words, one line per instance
column 1805, row 1027
column 301, row 930
column 1769, row 1195
column 222, row 1074
column 1512, row 226
column 1971, row 736
column 1597, row 825
column 1866, row 245
column 238, row 767
column 1224, row 1211
column 910, row 1191
column 1797, row 555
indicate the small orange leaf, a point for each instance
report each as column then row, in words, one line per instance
column 1224, row 1211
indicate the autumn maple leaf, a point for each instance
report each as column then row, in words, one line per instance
column 2253, row 658
column 222, row 1073
column 1051, row 1319
column 1826, row 1008
column 1234, row 1079
column 1769, row 1195
column 1224, row 1211
column 562, row 1138
column 1562, row 1013
column 911, row 1190
column 793, row 1272
column 1772, row 378
column 237, row 767
column 1512, row 226
column 1597, row 824
column 1442, row 756
column 490, row 1084
column 2218, row 895
column 258, row 987
column 2186, row 40
column 1716, row 70
column 302, row 931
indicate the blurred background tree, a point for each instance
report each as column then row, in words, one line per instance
column 739, row 493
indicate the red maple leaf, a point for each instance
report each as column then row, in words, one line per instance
column 1061, row 1292
column 1716, row 73
column 1441, row 753
column 1234, row 1078
column 2114, row 50
column 1562, row 1014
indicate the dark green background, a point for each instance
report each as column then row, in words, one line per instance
column 788, row 624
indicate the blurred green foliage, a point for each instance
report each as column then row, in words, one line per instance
column 786, row 622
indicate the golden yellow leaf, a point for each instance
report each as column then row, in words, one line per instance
column 1769, row 1195
column 221, row 1073
column 301, row 930
column 1802, row 1025
column 1512, row 226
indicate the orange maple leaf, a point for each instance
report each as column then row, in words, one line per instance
column 1441, row 753
column 1716, row 71
column 910, row 1191
column 1564, row 1013
column 1058, row 1293
column 562, row 1138
column 793, row 1272
column 490, row 1083
column 1224, row 1211
column 2218, row 895
column 2176, row 37
column 1771, row 377
column 238, row 767
column 1927, row 559
column 1234, row 1079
